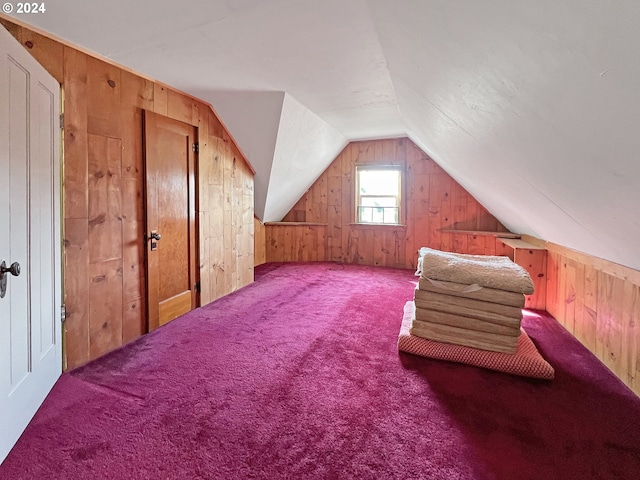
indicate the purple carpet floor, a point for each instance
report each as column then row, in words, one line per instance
column 297, row 376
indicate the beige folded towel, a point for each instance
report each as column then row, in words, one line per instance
column 486, row 271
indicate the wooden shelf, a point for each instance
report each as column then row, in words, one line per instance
column 296, row 224
column 481, row 233
column 392, row 226
column 520, row 244
column 533, row 259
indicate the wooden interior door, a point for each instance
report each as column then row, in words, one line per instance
column 170, row 202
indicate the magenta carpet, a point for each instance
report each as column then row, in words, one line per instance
column 297, row 376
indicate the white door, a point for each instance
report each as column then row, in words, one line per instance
column 30, row 323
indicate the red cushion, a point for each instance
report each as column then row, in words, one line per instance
column 526, row 361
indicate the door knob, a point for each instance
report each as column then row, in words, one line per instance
column 154, row 237
column 14, row 269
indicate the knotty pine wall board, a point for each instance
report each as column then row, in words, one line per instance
column 599, row 303
column 104, row 224
column 433, row 201
column 260, row 252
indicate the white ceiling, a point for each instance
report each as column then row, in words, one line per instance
column 534, row 107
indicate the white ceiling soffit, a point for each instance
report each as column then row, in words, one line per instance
column 306, row 146
column 253, row 118
column 288, row 145
column 533, row 107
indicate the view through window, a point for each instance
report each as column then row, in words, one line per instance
column 378, row 194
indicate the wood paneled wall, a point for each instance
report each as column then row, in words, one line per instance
column 296, row 242
column 599, row 303
column 225, row 214
column 104, row 225
column 259, row 252
column 433, row 201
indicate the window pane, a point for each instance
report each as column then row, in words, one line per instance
column 365, row 215
column 379, row 182
column 378, row 201
column 390, row 215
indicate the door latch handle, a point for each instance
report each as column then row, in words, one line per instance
column 154, row 237
column 14, row 270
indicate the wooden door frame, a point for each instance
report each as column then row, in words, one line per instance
column 151, row 220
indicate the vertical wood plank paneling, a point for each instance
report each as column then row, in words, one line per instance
column 346, row 161
column 535, row 262
column 334, row 210
column 204, row 228
column 103, row 98
column 105, row 220
column 133, row 319
column 553, row 260
column 599, row 302
column 579, row 310
column 46, row 51
column 180, row 107
column 160, row 99
column 445, row 212
column 204, row 242
column 459, row 215
column 319, row 201
column 216, row 129
column 216, row 225
column 475, row 244
column 334, row 233
column 136, row 96
column 245, row 248
column 432, row 201
column 76, row 200
column 76, row 291
column 504, row 251
column 412, row 155
column 260, row 251
column 609, row 321
column 569, row 297
column 629, row 320
column 561, row 291
column 104, row 244
column 228, row 262
column 590, row 309
column 489, row 245
column 133, row 261
column 105, row 313
column 421, row 213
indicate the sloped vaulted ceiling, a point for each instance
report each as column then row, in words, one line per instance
column 534, row 107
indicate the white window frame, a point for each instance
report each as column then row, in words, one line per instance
column 357, row 196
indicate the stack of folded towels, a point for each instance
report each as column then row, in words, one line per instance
column 470, row 300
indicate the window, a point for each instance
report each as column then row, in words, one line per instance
column 378, row 194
